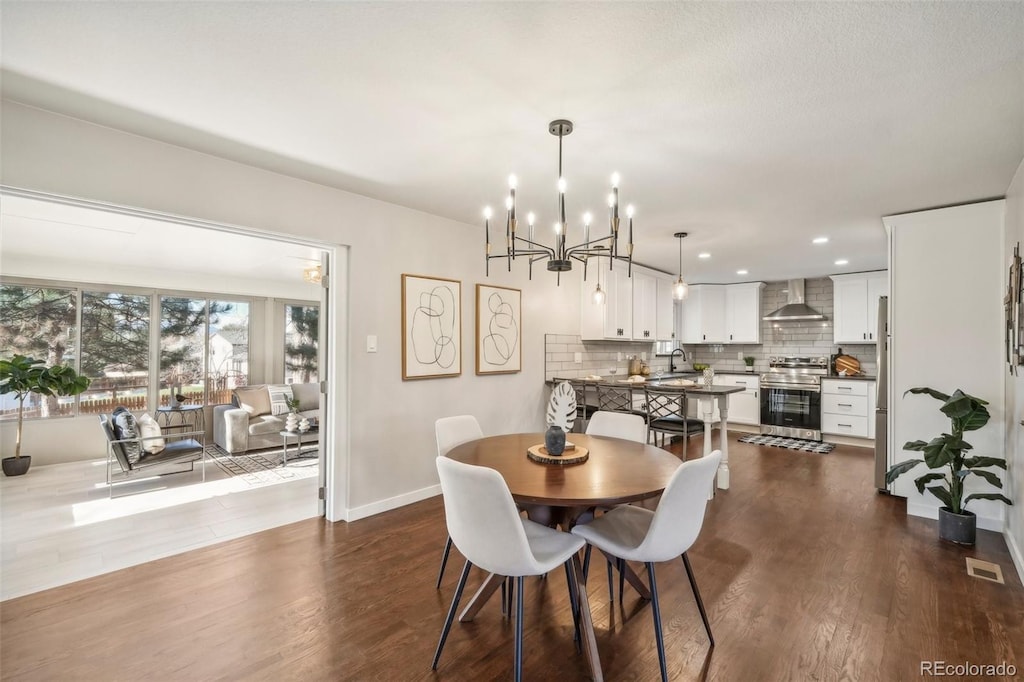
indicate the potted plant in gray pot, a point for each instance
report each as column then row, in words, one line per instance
column 966, row 413
column 23, row 375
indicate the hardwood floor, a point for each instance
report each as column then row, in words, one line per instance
column 806, row 572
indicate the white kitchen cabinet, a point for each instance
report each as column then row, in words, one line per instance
column 744, row 408
column 665, row 324
column 743, row 312
column 717, row 313
column 847, row 407
column 612, row 319
column 855, row 301
column 704, row 314
column 645, row 306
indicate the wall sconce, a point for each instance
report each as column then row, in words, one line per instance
column 312, row 275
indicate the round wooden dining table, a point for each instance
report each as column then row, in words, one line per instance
column 617, row 471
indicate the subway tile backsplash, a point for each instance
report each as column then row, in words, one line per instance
column 778, row 338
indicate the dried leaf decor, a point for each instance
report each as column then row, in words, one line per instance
column 562, row 406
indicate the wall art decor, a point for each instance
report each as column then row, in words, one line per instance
column 1014, row 323
column 499, row 330
column 431, row 327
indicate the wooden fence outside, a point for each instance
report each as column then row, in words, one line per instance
column 136, row 403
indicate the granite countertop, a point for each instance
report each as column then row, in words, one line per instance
column 857, row 377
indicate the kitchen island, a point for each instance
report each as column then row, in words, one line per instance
column 706, row 397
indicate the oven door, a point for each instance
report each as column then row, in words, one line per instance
column 791, row 407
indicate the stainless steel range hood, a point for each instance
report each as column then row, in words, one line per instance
column 795, row 308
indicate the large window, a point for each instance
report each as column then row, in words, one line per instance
column 115, row 350
column 203, row 349
column 301, row 335
column 39, row 322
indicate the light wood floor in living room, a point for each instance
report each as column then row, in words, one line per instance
column 805, row 571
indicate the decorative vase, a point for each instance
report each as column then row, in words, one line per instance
column 750, row 369
column 18, row 466
column 958, row 528
column 291, row 422
column 709, row 377
column 303, row 425
column 554, row 440
column 172, row 399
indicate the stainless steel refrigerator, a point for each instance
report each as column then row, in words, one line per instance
column 882, row 396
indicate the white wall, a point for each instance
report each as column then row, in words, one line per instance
column 1014, row 433
column 385, row 456
column 946, row 311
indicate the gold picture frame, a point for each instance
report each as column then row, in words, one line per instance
column 499, row 330
column 431, row 327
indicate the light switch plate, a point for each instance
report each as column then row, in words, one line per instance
column 371, row 343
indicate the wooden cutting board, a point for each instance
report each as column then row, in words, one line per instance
column 848, row 363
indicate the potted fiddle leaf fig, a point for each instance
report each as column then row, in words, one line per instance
column 949, row 450
column 23, row 375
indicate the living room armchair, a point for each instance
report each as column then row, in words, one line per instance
column 180, row 448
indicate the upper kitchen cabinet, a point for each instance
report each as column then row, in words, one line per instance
column 666, row 311
column 645, row 306
column 855, row 300
column 718, row 313
column 743, row 312
column 612, row 319
column 703, row 314
column 653, row 311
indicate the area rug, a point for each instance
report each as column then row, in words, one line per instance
column 791, row 443
column 264, row 466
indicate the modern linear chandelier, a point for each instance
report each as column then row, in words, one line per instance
column 560, row 257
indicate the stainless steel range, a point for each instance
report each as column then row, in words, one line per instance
column 791, row 397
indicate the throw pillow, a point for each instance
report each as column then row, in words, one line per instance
column 308, row 395
column 255, row 400
column 280, row 394
column 126, row 429
column 148, row 428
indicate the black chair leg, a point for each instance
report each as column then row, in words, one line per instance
column 656, row 611
column 511, row 592
column 504, row 598
column 586, row 562
column 622, row 579
column 696, row 595
column 519, row 629
column 444, row 561
column 611, row 585
column 571, row 584
column 451, row 614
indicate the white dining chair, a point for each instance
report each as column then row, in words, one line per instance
column 486, row 527
column 614, row 425
column 449, row 432
column 618, row 425
column 637, row 534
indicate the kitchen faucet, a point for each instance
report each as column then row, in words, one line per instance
column 672, row 357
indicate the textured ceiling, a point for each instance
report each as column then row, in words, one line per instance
column 755, row 127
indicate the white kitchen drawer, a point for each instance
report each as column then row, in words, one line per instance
column 748, row 382
column 840, row 387
column 855, row 405
column 845, row 425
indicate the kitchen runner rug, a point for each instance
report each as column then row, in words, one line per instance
column 791, row 443
column 263, row 467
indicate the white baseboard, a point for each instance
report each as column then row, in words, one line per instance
column 927, row 511
column 1015, row 553
column 380, row 506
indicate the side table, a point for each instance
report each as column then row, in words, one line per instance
column 297, row 435
column 182, row 418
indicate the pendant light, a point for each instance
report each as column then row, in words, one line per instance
column 598, row 295
column 680, row 289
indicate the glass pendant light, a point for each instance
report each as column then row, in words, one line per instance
column 598, row 295
column 680, row 289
